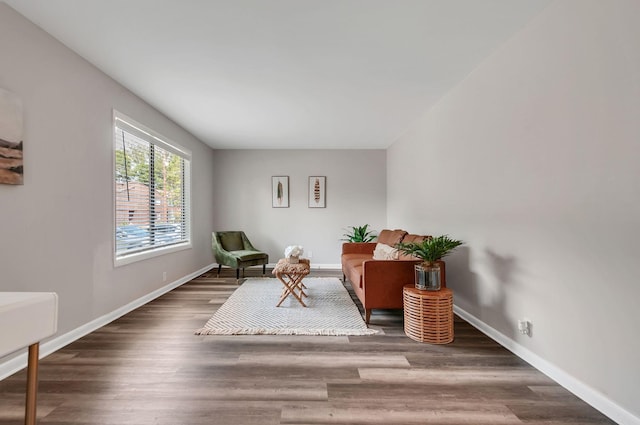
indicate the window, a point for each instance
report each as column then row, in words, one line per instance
column 151, row 193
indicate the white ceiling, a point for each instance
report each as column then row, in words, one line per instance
column 286, row 73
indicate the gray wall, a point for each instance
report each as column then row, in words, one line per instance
column 356, row 195
column 57, row 229
column 535, row 162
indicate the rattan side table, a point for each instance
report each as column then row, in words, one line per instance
column 428, row 315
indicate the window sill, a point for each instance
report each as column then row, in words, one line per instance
column 139, row 256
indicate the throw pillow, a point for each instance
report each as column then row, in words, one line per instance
column 385, row 252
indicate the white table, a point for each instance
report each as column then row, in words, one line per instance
column 26, row 318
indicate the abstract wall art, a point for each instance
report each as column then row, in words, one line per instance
column 11, row 165
column 317, row 191
column 280, row 191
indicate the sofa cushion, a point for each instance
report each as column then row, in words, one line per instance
column 385, row 252
column 391, row 237
column 410, row 238
column 351, row 260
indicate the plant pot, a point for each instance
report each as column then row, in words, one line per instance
column 293, row 260
column 427, row 276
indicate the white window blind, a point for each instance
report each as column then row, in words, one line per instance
column 151, row 190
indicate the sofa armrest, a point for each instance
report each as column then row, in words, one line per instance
column 358, row 247
column 383, row 280
column 380, row 273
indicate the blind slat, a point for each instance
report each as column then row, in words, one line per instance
column 151, row 187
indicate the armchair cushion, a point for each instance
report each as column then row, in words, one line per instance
column 231, row 241
column 245, row 255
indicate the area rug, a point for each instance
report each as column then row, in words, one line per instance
column 251, row 310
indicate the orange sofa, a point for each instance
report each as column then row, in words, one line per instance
column 378, row 283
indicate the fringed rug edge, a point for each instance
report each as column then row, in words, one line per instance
column 293, row 331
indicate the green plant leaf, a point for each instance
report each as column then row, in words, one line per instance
column 431, row 249
column 359, row 234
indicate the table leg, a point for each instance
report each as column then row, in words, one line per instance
column 291, row 283
column 302, row 288
column 287, row 288
column 297, row 284
column 32, row 385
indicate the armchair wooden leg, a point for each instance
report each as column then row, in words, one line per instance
column 367, row 315
column 237, row 274
column 344, row 278
column 219, row 268
column 264, row 269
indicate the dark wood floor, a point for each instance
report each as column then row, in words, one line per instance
column 148, row 367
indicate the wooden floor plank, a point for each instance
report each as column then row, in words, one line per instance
column 408, row 411
column 149, row 367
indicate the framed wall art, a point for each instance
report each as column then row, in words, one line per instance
column 317, row 191
column 280, row 192
column 11, row 162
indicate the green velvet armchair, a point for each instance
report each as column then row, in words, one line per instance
column 233, row 249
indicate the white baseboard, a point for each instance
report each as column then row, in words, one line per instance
column 317, row 266
column 336, row 267
column 591, row 396
column 314, row 266
column 17, row 363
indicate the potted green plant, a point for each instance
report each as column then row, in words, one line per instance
column 430, row 250
column 359, row 234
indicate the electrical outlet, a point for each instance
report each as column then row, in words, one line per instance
column 524, row 327
column 164, row 276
